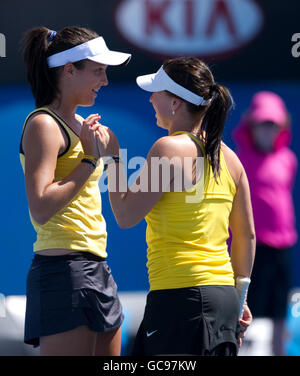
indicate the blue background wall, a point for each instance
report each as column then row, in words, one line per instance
column 125, row 109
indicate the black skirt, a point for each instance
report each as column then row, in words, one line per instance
column 200, row 320
column 65, row 292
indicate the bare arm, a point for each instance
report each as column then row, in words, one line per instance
column 131, row 205
column 42, row 141
column 243, row 231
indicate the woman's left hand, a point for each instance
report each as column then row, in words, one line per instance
column 107, row 141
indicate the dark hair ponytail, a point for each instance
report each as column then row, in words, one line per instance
column 194, row 75
column 43, row 83
column 37, row 47
column 213, row 123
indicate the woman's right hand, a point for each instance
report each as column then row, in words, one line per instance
column 245, row 321
column 108, row 143
column 88, row 137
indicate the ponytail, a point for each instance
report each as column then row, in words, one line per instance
column 42, row 80
column 213, row 124
column 194, row 75
column 39, row 43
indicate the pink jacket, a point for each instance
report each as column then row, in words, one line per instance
column 271, row 176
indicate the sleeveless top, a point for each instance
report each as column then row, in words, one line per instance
column 79, row 226
column 187, row 232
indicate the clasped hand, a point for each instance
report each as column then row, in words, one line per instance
column 97, row 139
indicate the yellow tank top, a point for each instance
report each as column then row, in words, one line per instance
column 79, row 226
column 187, row 240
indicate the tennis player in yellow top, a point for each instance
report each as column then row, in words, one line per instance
column 72, row 303
column 193, row 306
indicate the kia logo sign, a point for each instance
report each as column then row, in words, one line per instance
column 203, row 28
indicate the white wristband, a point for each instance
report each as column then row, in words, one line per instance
column 110, row 159
column 242, row 284
column 107, row 158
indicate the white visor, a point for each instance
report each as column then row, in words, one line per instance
column 95, row 50
column 161, row 81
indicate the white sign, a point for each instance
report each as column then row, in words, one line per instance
column 296, row 46
column 2, row 306
column 2, row 45
column 296, row 306
column 203, row 28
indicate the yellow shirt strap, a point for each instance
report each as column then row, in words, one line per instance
column 193, row 137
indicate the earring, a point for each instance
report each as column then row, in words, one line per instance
column 173, row 112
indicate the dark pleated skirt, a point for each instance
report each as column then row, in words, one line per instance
column 65, row 292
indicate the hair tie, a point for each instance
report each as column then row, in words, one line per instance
column 213, row 96
column 52, row 35
column 214, row 86
column 213, row 92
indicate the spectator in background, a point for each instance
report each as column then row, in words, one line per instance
column 263, row 137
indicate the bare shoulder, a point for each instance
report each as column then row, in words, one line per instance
column 229, row 152
column 167, row 146
column 179, row 146
column 233, row 163
column 41, row 121
column 41, row 130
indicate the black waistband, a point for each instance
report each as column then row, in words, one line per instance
column 77, row 255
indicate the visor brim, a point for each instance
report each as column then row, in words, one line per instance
column 149, row 83
column 160, row 81
column 111, row 58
